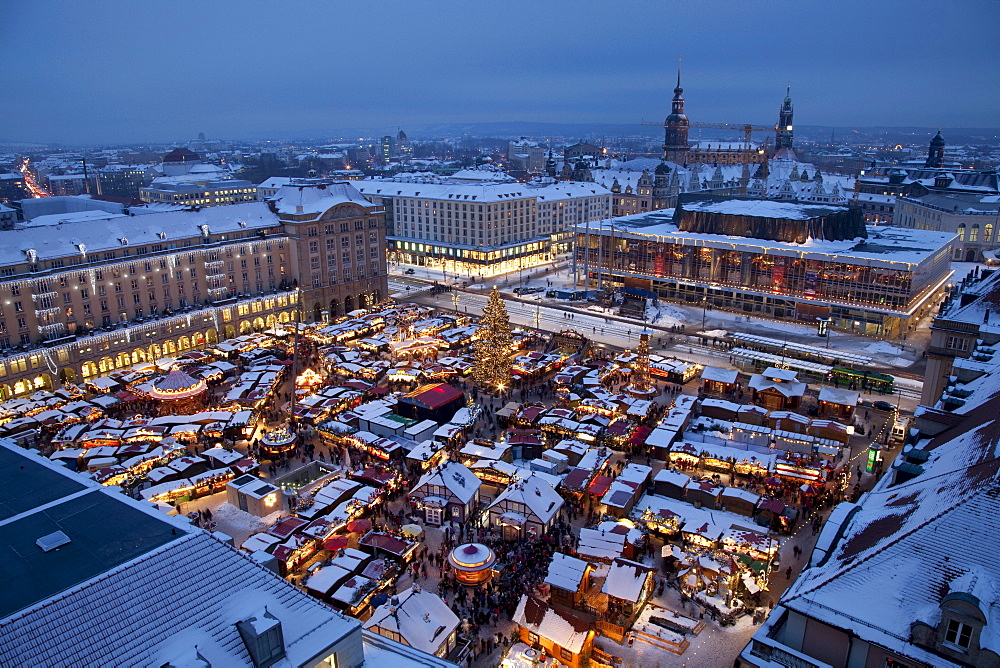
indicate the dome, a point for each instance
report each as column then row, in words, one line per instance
column 938, row 140
column 662, row 168
column 676, row 119
column 181, row 155
column 177, row 385
column 472, row 557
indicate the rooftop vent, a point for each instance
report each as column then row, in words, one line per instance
column 53, row 540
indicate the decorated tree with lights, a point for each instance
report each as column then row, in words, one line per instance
column 492, row 352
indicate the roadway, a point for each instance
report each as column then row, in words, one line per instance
column 617, row 334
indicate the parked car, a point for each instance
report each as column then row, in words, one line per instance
column 410, row 271
column 882, row 405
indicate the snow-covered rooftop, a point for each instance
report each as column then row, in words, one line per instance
column 420, row 617
column 885, row 246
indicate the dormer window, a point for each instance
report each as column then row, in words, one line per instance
column 958, row 635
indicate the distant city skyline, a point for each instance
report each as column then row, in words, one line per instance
column 116, row 72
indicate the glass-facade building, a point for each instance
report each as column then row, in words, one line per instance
column 877, row 286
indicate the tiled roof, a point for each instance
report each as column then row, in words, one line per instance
column 192, row 590
column 911, row 543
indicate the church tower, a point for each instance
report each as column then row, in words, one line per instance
column 935, row 154
column 783, row 140
column 675, row 128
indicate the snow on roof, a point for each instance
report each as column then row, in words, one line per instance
column 885, row 246
column 719, row 375
column 536, row 494
column 71, row 217
column 908, row 545
column 626, row 579
column 559, row 626
column 420, row 617
column 672, row 477
column 598, row 544
column 467, row 190
column 839, row 396
column 781, row 380
column 275, row 182
column 295, row 199
column 91, row 237
column 566, row 572
column 124, row 632
column 455, row 477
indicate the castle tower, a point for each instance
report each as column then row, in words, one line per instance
column 550, row 165
column 935, row 154
column 783, row 141
column 661, row 181
column 675, row 128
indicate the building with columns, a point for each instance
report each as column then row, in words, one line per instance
column 79, row 300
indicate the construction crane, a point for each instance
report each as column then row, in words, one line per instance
column 746, row 128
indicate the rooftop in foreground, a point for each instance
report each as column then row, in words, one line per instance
column 92, row 577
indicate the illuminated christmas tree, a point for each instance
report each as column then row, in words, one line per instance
column 493, row 349
column 640, row 369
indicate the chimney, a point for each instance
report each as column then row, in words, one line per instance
column 986, row 317
column 298, row 208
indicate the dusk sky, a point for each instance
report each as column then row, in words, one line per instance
column 100, row 72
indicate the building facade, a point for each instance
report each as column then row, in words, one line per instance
column 124, row 180
column 13, row 187
column 974, row 218
column 782, row 260
column 482, row 228
column 82, row 299
column 526, row 155
column 963, row 325
column 200, row 193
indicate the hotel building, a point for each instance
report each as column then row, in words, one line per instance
column 79, row 300
column 482, row 227
column 782, row 260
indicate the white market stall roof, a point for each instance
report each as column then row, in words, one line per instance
column 566, row 572
column 718, row 375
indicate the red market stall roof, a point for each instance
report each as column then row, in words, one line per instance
column 619, row 428
column 376, row 476
column 600, row 485
column 334, row 543
column 433, row 396
column 576, row 479
column 286, row 527
column 772, row 505
column 358, row 385
column 638, row 437
column 524, row 437
column 387, row 543
column 359, row 526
